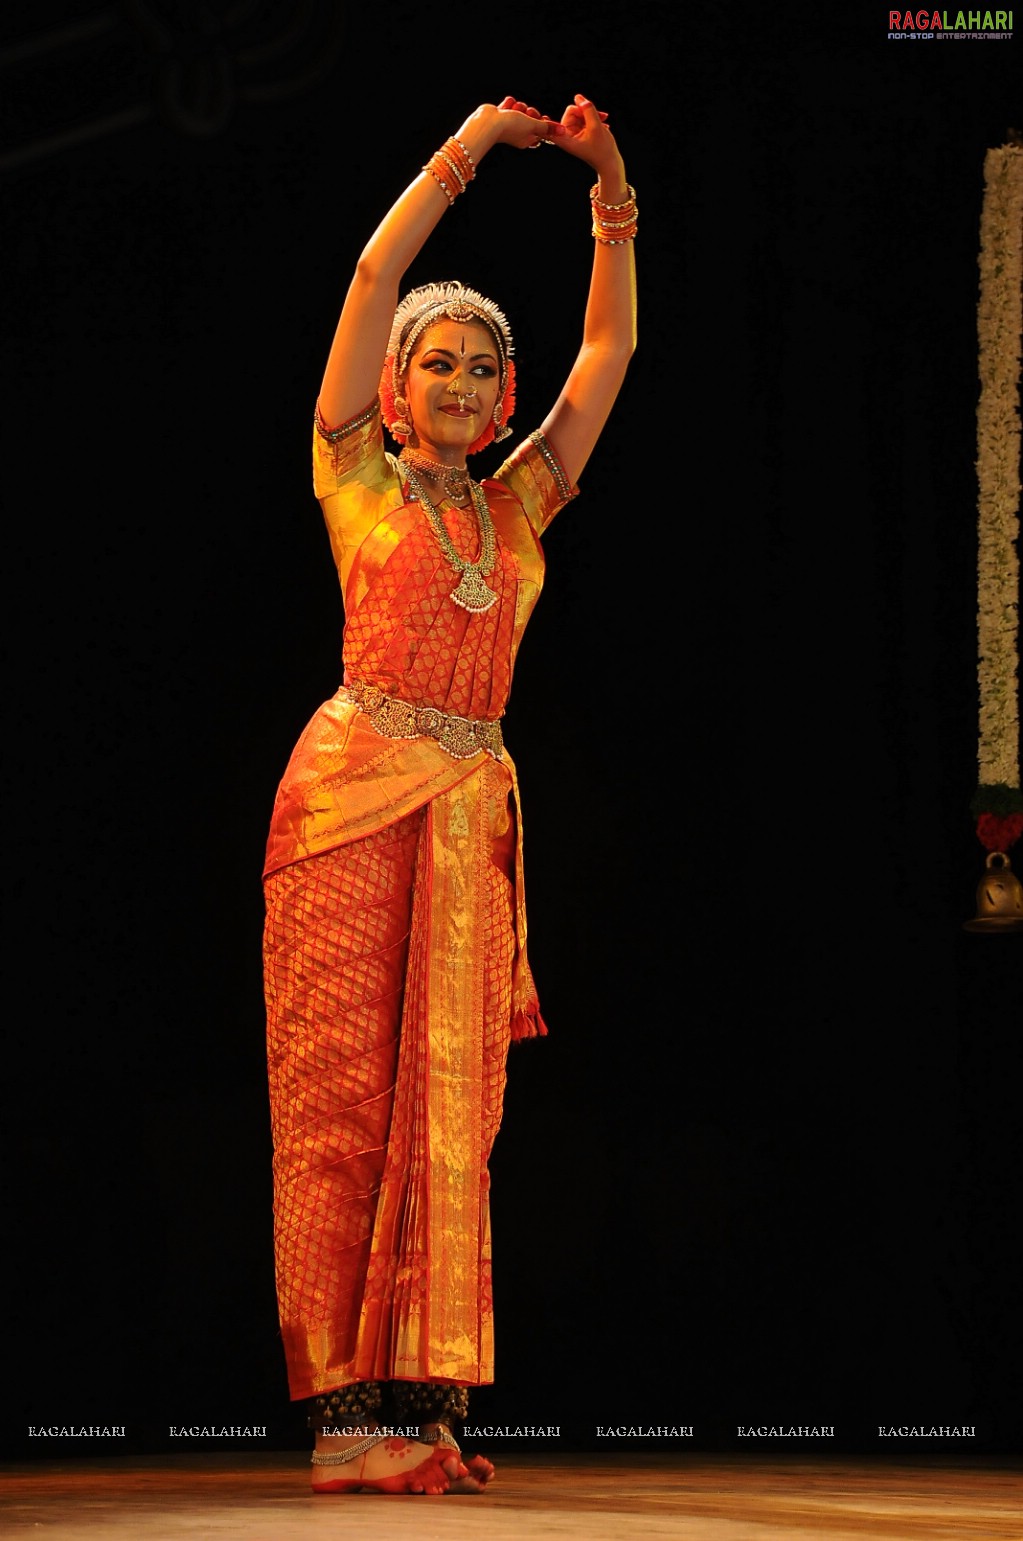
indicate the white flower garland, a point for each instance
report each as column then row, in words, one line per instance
column 999, row 328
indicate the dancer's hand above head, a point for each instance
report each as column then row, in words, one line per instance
column 526, row 136
column 521, row 126
column 583, row 132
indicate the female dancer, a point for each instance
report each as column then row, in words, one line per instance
column 395, row 946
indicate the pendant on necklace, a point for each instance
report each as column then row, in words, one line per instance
column 472, row 593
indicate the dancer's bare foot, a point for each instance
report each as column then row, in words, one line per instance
column 390, row 1465
column 478, row 1472
column 474, row 1473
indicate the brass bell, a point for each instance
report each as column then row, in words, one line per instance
column 999, row 897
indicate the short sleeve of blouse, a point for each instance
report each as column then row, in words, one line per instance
column 352, row 452
column 534, row 474
column 355, row 481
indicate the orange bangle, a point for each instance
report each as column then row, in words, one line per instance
column 442, row 176
column 452, row 167
column 613, row 208
column 456, row 148
column 614, row 223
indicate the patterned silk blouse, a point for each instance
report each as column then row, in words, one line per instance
column 405, row 635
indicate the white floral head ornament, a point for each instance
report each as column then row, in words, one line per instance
column 421, row 308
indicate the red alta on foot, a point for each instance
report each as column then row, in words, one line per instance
column 472, row 1475
column 427, row 1477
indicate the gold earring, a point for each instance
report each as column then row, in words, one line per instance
column 403, row 428
column 498, row 416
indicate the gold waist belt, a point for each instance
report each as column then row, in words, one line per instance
column 462, row 737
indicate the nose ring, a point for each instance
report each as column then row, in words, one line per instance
column 461, row 396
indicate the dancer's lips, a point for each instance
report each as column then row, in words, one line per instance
column 459, row 411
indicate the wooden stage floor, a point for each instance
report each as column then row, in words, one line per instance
column 699, row 1498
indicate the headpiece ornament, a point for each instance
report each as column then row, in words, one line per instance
column 453, row 300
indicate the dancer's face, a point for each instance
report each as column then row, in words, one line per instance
column 451, row 386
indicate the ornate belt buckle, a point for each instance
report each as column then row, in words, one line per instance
column 430, row 720
column 459, row 738
column 395, row 719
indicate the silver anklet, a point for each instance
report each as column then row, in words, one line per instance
column 342, row 1457
column 444, row 1436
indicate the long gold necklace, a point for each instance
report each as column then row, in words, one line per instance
column 471, row 593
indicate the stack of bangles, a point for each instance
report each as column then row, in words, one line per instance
column 614, row 223
column 452, row 168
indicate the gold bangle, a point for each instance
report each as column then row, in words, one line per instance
column 438, row 175
column 612, row 208
column 452, row 166
column 461, row 146
column 614, row 224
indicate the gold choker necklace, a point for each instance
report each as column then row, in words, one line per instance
column 471, row 593
column 456, row 479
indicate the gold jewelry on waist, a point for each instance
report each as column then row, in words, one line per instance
column 461, row 737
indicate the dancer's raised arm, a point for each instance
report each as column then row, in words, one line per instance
column 609, row 331
column 356, row 357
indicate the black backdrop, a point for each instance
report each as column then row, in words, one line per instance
column 764, row 1168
